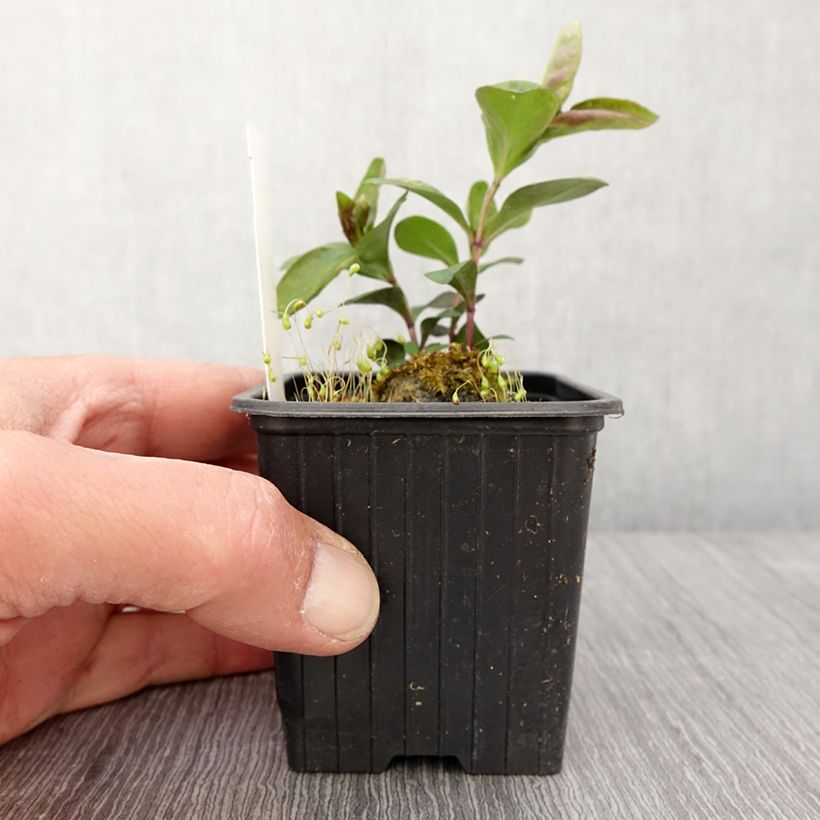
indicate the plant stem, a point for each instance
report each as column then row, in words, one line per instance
column 469, row 330
column 476, row 249
column 411, row 329
column 478, row 238
column 453, row 323
column 411, row 325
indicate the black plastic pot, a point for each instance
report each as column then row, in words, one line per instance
column 474, row 520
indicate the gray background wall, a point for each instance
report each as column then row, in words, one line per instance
column 689, row 287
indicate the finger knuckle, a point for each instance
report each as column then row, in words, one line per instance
column 257, row 514
column 17, row 464
column 16, row 453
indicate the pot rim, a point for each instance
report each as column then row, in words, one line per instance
column 560, row 397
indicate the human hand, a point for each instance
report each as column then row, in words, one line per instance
column 106, row 500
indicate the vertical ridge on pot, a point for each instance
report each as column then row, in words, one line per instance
column 387, row 518
column 288, row 666
column 443, row 555
column 514, row 600
column 318, row 501
column 569, row 505
column 548, row 668
column 457, row 594
column 496, row 564
column 536, row 476
column 351, row 462
column 408, row 600
column 424, row 471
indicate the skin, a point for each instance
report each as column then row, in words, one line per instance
column 128, row 482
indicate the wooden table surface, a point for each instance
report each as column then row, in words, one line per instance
column 697, row 695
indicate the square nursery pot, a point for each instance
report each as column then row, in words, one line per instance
column 474, row 519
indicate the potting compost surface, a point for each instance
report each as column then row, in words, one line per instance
column 696, row 695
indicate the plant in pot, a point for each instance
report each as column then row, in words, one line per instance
column 465, row 483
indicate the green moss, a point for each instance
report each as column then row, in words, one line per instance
column 435, row 376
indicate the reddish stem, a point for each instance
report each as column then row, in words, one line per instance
column 477, row 247
column 470, row 326
column 411, row 329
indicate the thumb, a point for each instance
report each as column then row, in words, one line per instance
column 168, row 535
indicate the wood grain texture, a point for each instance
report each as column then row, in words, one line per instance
column 697, row 695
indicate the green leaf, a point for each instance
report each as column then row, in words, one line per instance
column 444, row 276
column 443, row 300
column 562, row 67
column 479, row 339
column 429, row 193
column 534, row 196
column 312, row 272
column 461, row 277
column 431, row 327
column 391, row 297
column 520, row 221
column 373, row 250
column 515, row 114
column 370, row 192
column 435, row 347
column 288, row 262
column 346, row 208
column 411, row 348
column 474, row 201
column 363, row 216
column 425, row 237
column 395, row 354
column 602, row 113
column 451, row 305
column 367, row 194
column 506, row 260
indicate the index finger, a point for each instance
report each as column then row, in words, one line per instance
column 148, row 407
